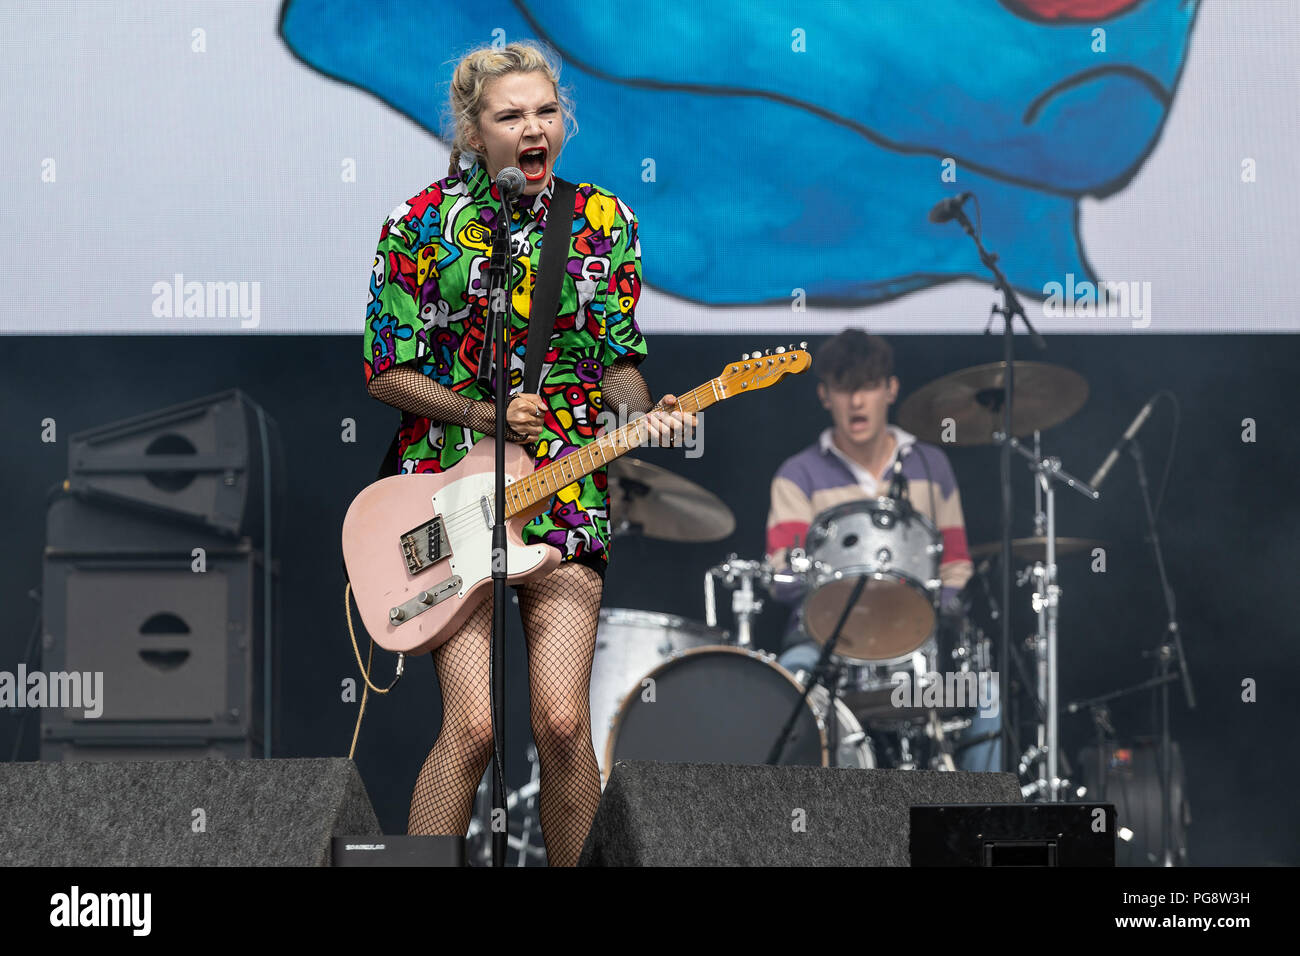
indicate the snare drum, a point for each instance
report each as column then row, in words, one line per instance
column 898, row 550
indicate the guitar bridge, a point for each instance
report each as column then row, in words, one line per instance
column 425, row 545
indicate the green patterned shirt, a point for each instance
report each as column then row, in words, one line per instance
column 428, row 299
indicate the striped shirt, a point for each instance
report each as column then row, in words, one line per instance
column 822, row 476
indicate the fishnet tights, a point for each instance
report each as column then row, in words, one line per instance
column 623, row 385
column 407, row 388
column 560, row 613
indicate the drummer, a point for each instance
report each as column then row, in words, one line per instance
column 854, row 459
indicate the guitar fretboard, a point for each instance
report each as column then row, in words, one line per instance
column 549, row 479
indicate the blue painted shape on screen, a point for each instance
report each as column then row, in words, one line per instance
column 801, row 147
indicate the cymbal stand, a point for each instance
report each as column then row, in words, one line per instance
column 1048, row 784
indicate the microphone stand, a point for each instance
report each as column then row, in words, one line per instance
column 1010, row 308
column 495, row 359
column 827, row 673
column 1168, row 653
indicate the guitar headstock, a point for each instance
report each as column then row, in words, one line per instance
column 757, row 370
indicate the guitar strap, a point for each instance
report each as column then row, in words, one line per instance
column 545, row 301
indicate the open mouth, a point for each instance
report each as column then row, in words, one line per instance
column 533, row 163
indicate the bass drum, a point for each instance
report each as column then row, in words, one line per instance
column 629, row 644
column 722, row 705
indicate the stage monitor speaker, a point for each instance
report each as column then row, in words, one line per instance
column 177, row 654
column 679, row 814
column 400, row 851
column 190, row 813
column 200, row 462
column 1027, row 834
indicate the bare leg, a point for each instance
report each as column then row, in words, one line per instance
column 560, row 614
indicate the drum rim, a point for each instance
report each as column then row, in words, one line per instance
column 616, row 615
column 616, row 724
column 879, row 503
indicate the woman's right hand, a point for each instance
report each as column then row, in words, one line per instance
column 525, row 416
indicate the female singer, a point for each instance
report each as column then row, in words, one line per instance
column 423, row 340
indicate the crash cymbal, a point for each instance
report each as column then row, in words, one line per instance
column 1035, row 549
column 1045, row 395
column 652, row 501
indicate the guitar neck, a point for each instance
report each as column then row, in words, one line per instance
column 549, row 479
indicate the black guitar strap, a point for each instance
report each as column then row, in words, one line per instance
column 545, row 301
column 550, row 278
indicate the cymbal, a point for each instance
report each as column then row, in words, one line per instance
column 1045, row 395
column 653, row 501
column 1035, row 548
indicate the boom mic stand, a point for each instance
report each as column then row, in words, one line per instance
column 495, row 358
column 1009, row 309
column 1169, row 653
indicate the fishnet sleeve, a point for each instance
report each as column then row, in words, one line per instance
column 410, row 390
column 623, row 385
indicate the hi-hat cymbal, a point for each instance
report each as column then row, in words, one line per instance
column 1035, row 548
column 1045, row 395
column 653, row 501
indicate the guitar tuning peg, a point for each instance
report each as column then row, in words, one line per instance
column 744, row 356
column 780, row 350
column 767, row 351
column 803, row 345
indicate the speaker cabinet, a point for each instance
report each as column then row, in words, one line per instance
column 680, row 814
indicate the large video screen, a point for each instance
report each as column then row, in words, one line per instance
column 226, row 167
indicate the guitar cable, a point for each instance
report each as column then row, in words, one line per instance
column 365, row 668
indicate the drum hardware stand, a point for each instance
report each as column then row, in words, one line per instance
column 525, row 796
column 745, row 605
column 1047, row 593
column 935, row 730
column 828, row 674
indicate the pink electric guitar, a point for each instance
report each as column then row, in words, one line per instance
column 418, row 548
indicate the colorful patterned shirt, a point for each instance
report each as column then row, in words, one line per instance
column 428, row 299
column 821, row 476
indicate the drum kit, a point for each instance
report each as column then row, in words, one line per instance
column 867, row 584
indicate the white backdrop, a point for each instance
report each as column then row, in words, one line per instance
column 129, row 159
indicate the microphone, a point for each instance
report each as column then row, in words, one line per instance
column 898, row 487
column 510, row 182
column 1113, row 457
column 950, row 208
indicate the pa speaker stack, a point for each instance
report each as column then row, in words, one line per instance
column 159, row 582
